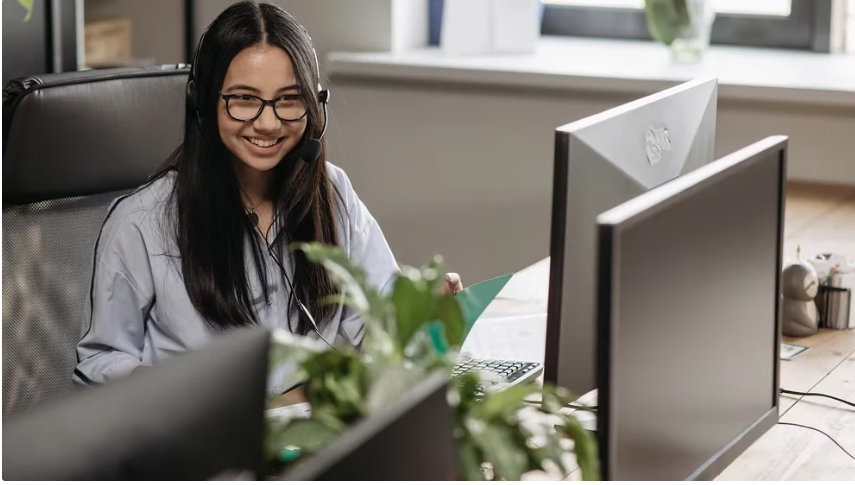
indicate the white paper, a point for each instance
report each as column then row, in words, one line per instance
column 519, row 338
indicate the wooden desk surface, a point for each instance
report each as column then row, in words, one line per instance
column 819, row 218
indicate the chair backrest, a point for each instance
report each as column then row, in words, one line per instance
column 72, row 142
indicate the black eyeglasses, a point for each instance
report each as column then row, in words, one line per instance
column 246, row 107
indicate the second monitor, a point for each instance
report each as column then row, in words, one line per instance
column 601, row 162
column 689, row 319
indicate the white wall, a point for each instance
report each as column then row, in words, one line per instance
column 460, row 172
column 157, row 30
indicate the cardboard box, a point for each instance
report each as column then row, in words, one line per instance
column 107, row 42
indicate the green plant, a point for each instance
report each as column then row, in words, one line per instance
column 666, row 19
column 398, row 350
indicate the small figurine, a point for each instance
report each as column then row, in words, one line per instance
column 800, row 285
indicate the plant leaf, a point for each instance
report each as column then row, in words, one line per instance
column 287, row 355
column 414, row 301
column 28, row 6
column 307, row 434
column 584, row 447
column 447, row 311
column 554, row 452
column 551, row 402
column 666, row 19
column 470, row 462
column 505, row 403
column 497, row 442
column 335, row 384
column 344, row 388
column 462, row 391
column 349, row 277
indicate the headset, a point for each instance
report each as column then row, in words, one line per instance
column 309, row 152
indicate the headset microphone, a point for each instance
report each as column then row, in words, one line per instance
column 311, row 150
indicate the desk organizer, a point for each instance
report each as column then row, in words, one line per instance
column 834, row 305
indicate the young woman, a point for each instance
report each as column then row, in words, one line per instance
column 203, row 247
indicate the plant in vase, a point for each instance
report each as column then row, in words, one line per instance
column 399, row 349
column 684, row 26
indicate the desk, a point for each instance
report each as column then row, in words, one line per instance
column 517, row 318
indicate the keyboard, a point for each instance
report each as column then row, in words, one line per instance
column 499, row 374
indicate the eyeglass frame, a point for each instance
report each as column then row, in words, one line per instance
column 264, row 103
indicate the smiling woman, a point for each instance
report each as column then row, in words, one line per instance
column 203, row 247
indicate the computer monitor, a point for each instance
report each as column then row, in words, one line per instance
column 600, row 162
column 194, row 417
column 411, row 441
column 689, row 323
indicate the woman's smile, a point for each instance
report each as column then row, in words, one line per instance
column 263, row 146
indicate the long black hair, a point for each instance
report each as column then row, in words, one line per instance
column 208, row 216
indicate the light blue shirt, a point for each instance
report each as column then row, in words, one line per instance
column 140, row 313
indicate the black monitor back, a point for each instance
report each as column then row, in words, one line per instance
column 193, row 417
column 412, row 441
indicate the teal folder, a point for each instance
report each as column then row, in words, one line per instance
column 473, row 301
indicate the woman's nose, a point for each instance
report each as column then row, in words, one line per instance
column 267, row 121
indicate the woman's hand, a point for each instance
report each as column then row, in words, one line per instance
column 294, row 396
column 452, row 285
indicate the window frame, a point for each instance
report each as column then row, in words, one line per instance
column 808, row 27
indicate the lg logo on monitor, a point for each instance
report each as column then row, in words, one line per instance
column 658, row 141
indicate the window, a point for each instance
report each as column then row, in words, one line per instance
column 790, row 24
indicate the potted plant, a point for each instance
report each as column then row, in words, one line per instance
column 684, row 26
column 400, row 347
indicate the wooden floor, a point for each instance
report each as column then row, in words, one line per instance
column 818, row 219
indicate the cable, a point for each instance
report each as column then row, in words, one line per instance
column 575, row 407
column 300, row 304
column 815, row 394
column 297, row 299
column 823, row 432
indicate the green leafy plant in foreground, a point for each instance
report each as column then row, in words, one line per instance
column 500, row 429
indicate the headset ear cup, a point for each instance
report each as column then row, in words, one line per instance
column 191, row 94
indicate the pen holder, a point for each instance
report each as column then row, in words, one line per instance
column 834, row 305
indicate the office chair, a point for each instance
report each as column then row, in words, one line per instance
column 72, row 142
